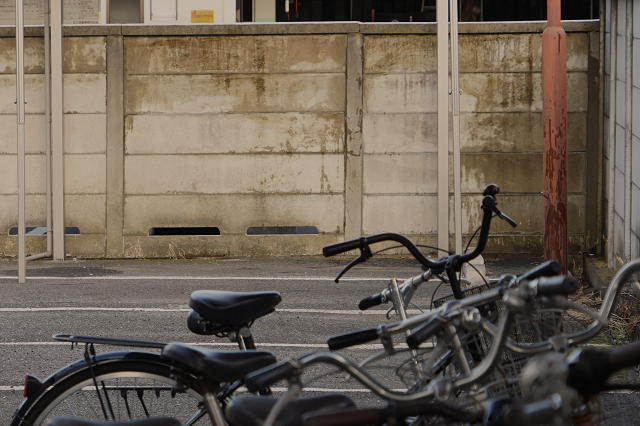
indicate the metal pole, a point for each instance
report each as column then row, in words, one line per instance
column 628, row 131
column 442, row 19
column 57, row 130
column 612, row 135
column 554, row 118
column 47, row 126
column 20, row 101
column 455, row 98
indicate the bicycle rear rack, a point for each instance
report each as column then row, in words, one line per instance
column 75, row 339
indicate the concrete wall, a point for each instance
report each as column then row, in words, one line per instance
column 326, row 125
column 622, row 224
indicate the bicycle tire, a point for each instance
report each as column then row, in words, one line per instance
column 134, row 389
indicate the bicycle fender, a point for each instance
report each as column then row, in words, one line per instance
column 75, row 367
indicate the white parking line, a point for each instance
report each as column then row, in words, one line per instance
column 294, row 311
column 196, row 278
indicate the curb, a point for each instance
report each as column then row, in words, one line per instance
column 599, row 275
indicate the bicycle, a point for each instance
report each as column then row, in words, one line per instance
column 522, row 296
column 180, row 368
column 122, row 380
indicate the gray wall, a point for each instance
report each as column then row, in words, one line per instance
column 622, row 225
column 328, row 125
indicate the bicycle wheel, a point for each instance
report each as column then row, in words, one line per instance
column 127, row 390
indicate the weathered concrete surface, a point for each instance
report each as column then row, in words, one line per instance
column 221, row 55
column 234, row 133
column 326, row 125
column 233, row 213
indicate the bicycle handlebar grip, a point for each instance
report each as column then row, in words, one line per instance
column 562, row 284
column 261, row 379
column 510, row 221
column 341, row 247
column 424, row 332
column 353, row 338
column 547, row 269
column 370, row 302
column 347, row 417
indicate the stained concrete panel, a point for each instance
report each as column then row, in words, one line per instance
column 515, row 92
column 401, row 133
column 87, row 212
column 258, row 54
column 398, row 93
column 501, row 52
column 89, row 246
column 234, row 133
column 81, row 55
column 400, row 54
column 201, row 94
column 526, row 209
column 215, row 174
column 411, row 173
column 35, row 211
column 404, row 214
column 233, row 213
column 515, row 172
column 34, row 134
column 85, row 133
column 83, row 93
column 34, row 93
column 85, row 173
column 224, row 246
column 515, row 132
column 34, row 184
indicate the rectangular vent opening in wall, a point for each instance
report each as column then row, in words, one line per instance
column 186, row 230
column 37, row 231
column 282, row 230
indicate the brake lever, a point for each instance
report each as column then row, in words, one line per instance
column 504, row 217
column 365, row 253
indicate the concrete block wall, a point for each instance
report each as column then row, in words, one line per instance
column 85, row 143
column 325, row 125
column 623, row 226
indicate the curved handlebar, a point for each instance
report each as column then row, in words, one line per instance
column 454, row 262
column 370, row 301
column 262, row 379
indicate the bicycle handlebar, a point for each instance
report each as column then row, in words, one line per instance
column 353, row 338
column 261, row 379
column 489, row 204
column 370, row 301
column 563, row 284
column 547, row 269
column 590, row 369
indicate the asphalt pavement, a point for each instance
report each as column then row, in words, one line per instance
column 148, row 300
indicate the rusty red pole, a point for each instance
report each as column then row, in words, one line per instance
column 554, row 118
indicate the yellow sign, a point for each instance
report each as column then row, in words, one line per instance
column 201, row 16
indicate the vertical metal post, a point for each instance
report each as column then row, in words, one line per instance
column 20, row 101
column 455, row 99
column 442, row 18
column 554, row 116
column 47, row 116
column 57, row 130
column 613, row 69
column 47, row 127
column 628, row 127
